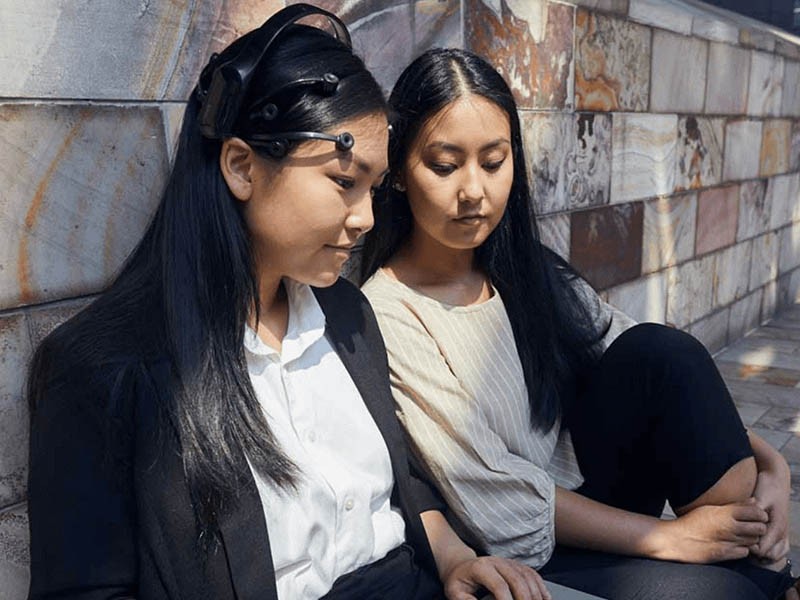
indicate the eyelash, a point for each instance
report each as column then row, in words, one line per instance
column 445, row 169
column 347, row 184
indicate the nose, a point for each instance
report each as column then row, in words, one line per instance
column 359, row 217
column 471, row 189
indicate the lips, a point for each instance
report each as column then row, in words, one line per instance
column 474, row 217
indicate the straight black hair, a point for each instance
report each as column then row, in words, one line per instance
column 187, row 291
column 553, row 333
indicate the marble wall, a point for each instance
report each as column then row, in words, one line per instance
column 663, row 142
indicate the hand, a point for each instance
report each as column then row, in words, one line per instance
column 772, row 494
column 504, row 578
column 709, row 534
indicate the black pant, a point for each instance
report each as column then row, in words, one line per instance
column 655, row 422
column 397, row 576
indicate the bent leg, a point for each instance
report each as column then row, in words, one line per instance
column 654, row 421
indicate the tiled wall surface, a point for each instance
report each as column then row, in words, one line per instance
column 663, row 143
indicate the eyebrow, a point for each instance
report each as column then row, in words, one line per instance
column 454, row 148
column 364, row 167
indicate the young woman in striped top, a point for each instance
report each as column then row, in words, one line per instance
column 501, row 358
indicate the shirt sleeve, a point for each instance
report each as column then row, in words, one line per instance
column 505, row 501
column 611, row 321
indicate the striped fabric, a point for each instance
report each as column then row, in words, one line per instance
column 460, row 393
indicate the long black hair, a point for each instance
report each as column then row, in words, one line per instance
column 554, row 336
column 188, row 289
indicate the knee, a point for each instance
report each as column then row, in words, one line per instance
column 651, row 343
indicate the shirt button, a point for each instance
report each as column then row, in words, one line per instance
column 348, row 505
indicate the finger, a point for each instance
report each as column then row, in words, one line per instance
column 749, row 511
column 771, row 538
column 488, row 576
column 517, row 580
column 791, row 594
column 542, row 587
column 778, row 551
column 731, row 552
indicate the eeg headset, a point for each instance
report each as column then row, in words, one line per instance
column 221, row 100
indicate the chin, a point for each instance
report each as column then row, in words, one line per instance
column 321, row 280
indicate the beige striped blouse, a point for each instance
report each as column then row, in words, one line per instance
column 460, row 393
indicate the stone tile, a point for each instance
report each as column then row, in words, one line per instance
column 740, row 161
column 712, row 28
column 790, row 101
column 794, row 150
column 14, row 553
column 173, row 119
column 769, row 302
column 789, row 248
column 699, row 152
column 569, row 157
column 689, row 291
column 612, row 63
column 606, row 243
column 150, row 51
column 783, row 195
column 530, row 44
column 775, row 146
column 69, row 218
column 781, row 419
column 554, row 233
column 791, row 450
column 643, row 156
column 43, row 320
column 726, row 93
column 669, row 231
column 15, row 352
column 794, row 522
column 643, row 299
column 750, row 413
column 437, row 24
column 619, row 7
column 787, row 48
column 717, row 216
column 766, row 84
column 754, row 209
column 712, row 331
column 762, row 393
column 678, row 75
column 745, row 315
column 756, row 37
column 764, row 378
column 776, row 439
column 764, row 265
column 731, row 273
column 666, row 15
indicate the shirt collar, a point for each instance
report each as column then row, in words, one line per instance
column 306, row 325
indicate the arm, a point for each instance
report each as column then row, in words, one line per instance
column 773, row 486
column 464, row 573
column 706, row 534
column 80, row 503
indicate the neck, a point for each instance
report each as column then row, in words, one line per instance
column 427, row 261
column 273, row 311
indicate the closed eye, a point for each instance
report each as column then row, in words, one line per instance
column 494, row 165
column 343, row 182
column 442, row 168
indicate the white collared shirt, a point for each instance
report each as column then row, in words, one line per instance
column 340, row 517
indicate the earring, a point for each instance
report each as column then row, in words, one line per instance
column 399, row 187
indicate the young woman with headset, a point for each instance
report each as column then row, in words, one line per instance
column 218, row 423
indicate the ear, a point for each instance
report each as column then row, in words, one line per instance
column 237, row 161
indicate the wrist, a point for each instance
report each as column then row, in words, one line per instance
column 454, row 558
column 660, row 544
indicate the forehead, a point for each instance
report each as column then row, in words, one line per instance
column 470, row 118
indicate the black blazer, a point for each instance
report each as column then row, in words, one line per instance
column 110, row 513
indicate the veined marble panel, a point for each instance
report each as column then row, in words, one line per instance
column 728, row 79
column 619, row 7
column 783, row 194
column 569, row 158
column 712, row 331
column 699, row 152
column 678, row 75
column 530, row 44
column 554, row 233
column 787, row 48
column 643, row 156
column 669, row 231
column 766, row 84
column 712, row 28
column 790, row 101
column 794, row 149
column 764, row 265
column 643, row 299
column 658, row 13
column 745, row 315
column 437, row 24
column 732, row 273
column 43, row 320
column 70, row 215
column 789, row 252
column 689, row 291
column 755, row 208
column 173, row 120
column 148, row 50
column 612, row 63
column 717, row 216
column 751, row 37
column 15, row 352
column 769, row 301
column 741, row 161
column 14, row 552
column 776, row 145
column 606, row 243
